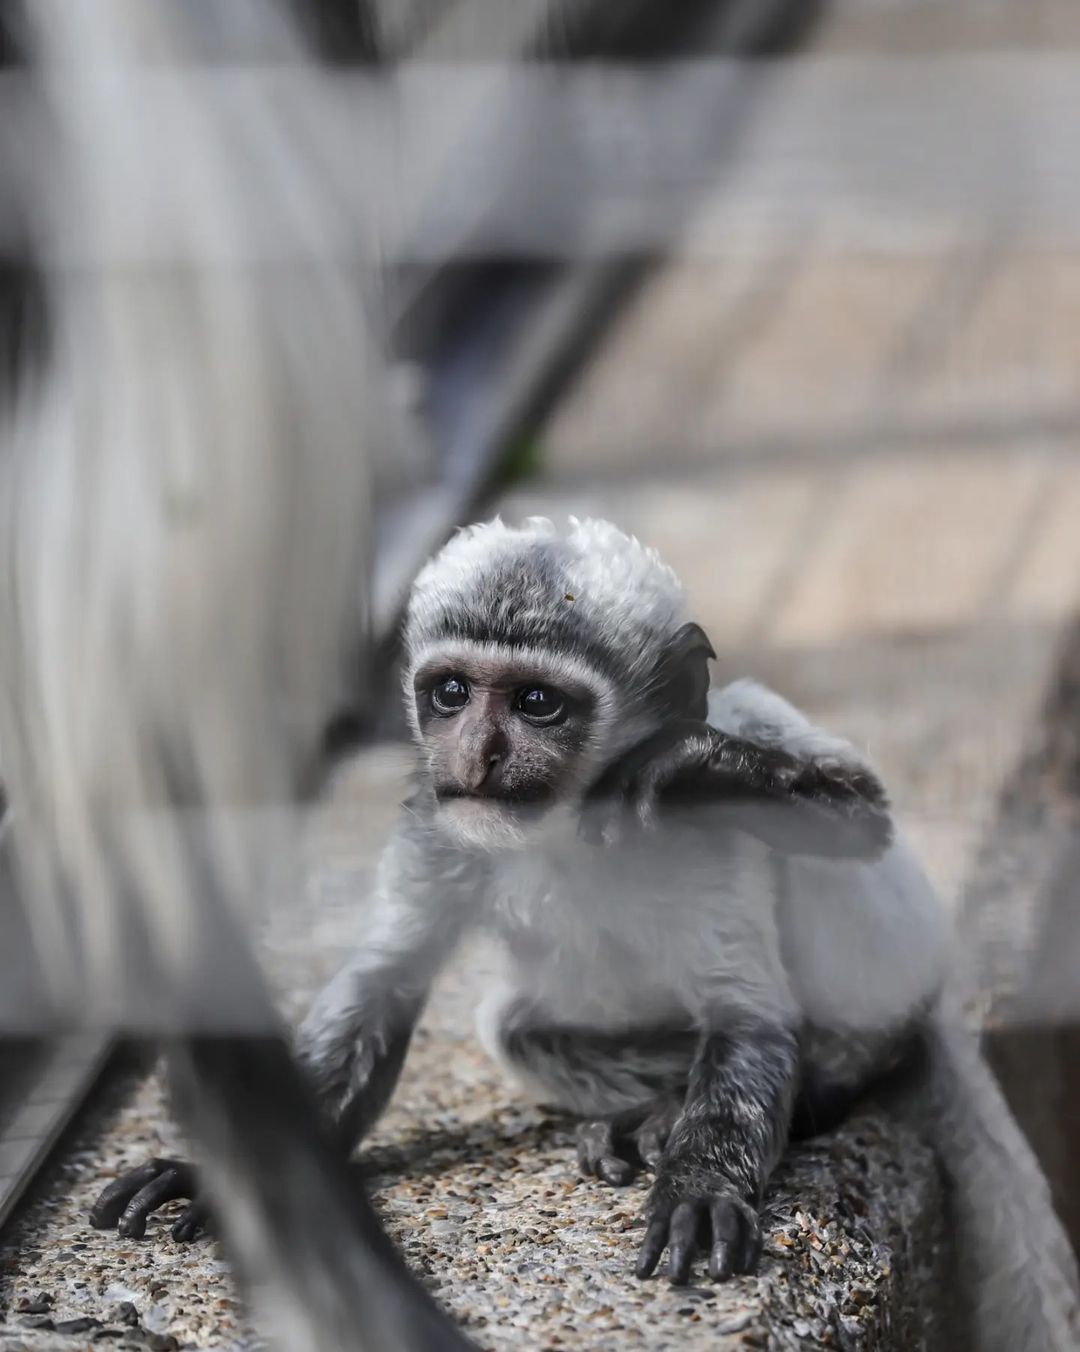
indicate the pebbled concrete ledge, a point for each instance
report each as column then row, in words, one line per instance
column 480, row 1190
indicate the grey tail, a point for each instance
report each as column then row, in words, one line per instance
column 1017, row 1266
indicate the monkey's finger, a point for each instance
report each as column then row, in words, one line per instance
column 651, row 1137
column 683, row 1241
column 167, row 1187
column 753, row 1243
column 617, row 1164
column 736, row 1235
column 595, row 1142
column 652, row 1246
column 650, row 1141
column 112, row 1200
column 192, row 1221
column 726, row 1239
column 868, row 786
column 850, row 781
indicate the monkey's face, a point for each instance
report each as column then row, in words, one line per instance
column 504, row 745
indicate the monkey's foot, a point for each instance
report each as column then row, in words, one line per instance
column 127, row 1202
column 614, row 1149
column 686, row 1219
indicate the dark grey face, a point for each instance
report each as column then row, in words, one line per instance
column 504, row 743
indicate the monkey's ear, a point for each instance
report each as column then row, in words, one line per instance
column 682, row 677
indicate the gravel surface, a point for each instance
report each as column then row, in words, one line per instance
column 480, row 1190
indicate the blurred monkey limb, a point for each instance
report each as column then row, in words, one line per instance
column 185, row 485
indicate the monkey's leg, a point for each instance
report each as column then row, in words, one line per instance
column 839, row 1069
column 731, row 1133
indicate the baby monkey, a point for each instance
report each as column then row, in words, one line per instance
column 694, row 964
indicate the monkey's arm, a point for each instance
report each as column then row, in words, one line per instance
column 353, row 1042
column 800, row 789
column 721, row 1151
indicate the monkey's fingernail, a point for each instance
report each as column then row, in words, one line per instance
column 615, row 1171
column 720, row 1261
column 132, row 1227
column 679, row 1264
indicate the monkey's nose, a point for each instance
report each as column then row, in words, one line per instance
column 478, row 771
column 489, row 769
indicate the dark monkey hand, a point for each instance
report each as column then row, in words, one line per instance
column 693, row 1210
column 129, row 1200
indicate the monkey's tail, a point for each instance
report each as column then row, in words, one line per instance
column 1018, row 1269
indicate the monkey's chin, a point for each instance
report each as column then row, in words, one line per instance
column 482, row 824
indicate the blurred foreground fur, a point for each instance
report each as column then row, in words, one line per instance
column 184, row 493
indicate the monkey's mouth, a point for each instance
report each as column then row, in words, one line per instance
column 503, row 820
column 511, row 800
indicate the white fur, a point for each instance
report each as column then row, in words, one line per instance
column 612, row 570
column 490, row 827
column 650, row 933
column 690, row 928
column 630, row 595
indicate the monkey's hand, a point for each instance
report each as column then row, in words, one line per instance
column 693, row 1208
column 823, row 805
column 129, row 1200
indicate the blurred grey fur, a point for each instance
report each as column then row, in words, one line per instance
column 186, row 477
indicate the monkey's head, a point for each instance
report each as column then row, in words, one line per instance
column 534, row 660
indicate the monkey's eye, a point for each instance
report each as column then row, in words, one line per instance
column 541, row 704
column 449, row 696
